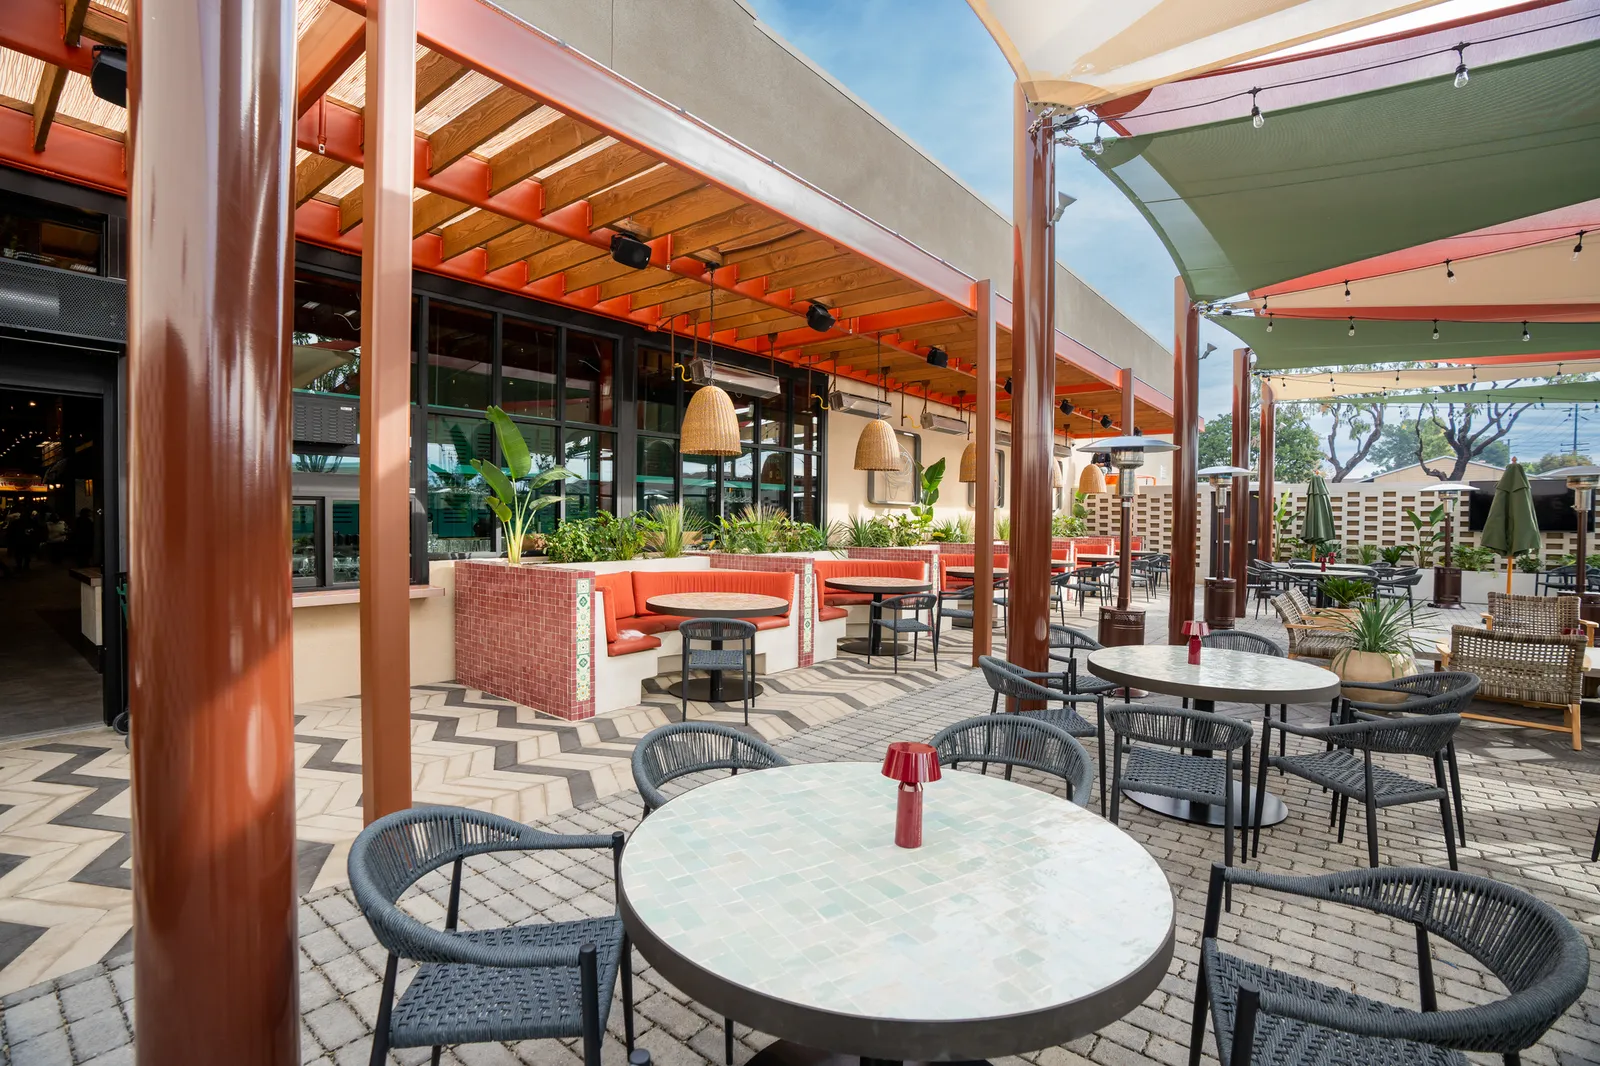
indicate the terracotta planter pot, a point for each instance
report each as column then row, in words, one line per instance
column 1373, row 666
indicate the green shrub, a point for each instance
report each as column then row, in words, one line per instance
column 1064, row 525
column 1393, row 553
column 1469, row 558
column 1529, row 563
column 1345, row 591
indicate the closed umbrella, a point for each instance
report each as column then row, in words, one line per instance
column 1318, row 525
column 1512, row 527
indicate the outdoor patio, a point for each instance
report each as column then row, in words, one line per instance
column 63, row 829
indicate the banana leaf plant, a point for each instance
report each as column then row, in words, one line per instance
column 516, row 501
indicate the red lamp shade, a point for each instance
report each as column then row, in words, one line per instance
column 911, row 763
column 1196, row 628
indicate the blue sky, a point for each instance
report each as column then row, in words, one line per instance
column 930, row 69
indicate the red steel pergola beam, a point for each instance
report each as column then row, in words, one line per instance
column 37, row 28
column 76, row 155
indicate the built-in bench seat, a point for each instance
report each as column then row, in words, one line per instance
column 951, row 583
column 631, row 626
column 835, row 601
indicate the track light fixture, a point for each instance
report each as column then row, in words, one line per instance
column 819, row 318
column 1461, row 66
column 1063, row 201
column 630, row 251
column 1066, row 407
column 938, row 358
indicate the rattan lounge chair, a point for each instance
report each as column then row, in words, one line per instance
column 1534, row 671
column 1538, row 616
column 1311, row 636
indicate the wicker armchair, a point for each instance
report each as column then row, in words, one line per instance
column 1268, row 1016
column 543, row 980
column 1534, row 671
column 1539, row 616
column 1018, row 740
column 1310, row 636
column 678, row 749
column 1015, row 683
column 1346, row 769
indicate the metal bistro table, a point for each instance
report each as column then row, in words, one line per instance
column 779, row 899
column 1237, row 676
column 878, row 588
column 716, row 605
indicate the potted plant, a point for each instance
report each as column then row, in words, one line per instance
column 1345, row 591
column 1391, row 554
column 514, row 503
column 1381, row 648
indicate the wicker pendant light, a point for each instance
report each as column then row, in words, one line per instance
column 710, row 425
column 1092, row 480
column 877, row 449
column 969, row 456
column 1056, row 480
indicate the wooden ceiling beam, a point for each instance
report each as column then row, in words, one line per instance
column 435, row 74
column 560, row 259
column 680, row 212
column 312, row 174
column 657, row 293
column 639, row 281
column 590, row 175
column 430, row 212
column 53, row 78
column 782, row 254
column 545, row 146
column 646, row 190
column 744, row 221
column 595, row 272
column 524, row 243
column 336, row 38
column 477, row 124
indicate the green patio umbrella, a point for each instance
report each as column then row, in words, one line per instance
column 1317, row 527
column 1511, row 527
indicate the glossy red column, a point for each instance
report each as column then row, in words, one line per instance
column 211, row 121
column 983, row 517
column 1266, row 495
column 385, row 409
column 1186, row 435
column 1239, row 502
column 1033, row 383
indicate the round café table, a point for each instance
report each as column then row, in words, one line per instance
column 1238, row 676
column 742, row 605
column 878, row 588
column 969, row 572
column 779, row 899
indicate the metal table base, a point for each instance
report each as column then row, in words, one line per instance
column 786, row 1053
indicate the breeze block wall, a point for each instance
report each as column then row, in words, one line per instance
column 526, row 633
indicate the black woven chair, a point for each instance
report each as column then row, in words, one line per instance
column 1156, row 740
column 545, row 980
column 681, row 748
column 719, row 658
column 1015, row 683
column 1064, row 643
column 1059, row 593
column 1346, row 769
column 955, row 604
column 1594, row 856
column 1435, row 692
column 1264, row 581
column 1239, row 640
column 1088, row 581
column 1267, row 1016
column 916, row 603
column 1144, row 572
column 1399, row 585
column 1018, row 740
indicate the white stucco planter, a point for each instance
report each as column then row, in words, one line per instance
column 1477, row 584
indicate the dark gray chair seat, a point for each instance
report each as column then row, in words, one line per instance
column 1345, row 771
column 715, row 659
column 1197, row 778
column 447, row 1002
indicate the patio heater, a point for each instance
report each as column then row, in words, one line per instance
column 1582, row 481
column 1221, row 590
column 1124, row 623
column 1447, row 578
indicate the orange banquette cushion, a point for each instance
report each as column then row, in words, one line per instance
column 830, row 568
column 948, row 583
column 630, row 625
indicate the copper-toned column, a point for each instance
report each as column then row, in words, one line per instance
column 385, row 409
column 1266, row 531
column 1033, row 377
column 983, row 517
column 1239, row 503
column 210, row 173
column 1186, row 435
column 1125, row 548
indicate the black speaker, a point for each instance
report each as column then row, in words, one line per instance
column 108, row 78
column 938, row 358
column 630, row 251
column 819, row 318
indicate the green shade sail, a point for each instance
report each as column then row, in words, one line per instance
column 1557, row 392
column 1511, row 527
column 1318, row 525
column 1296, row 343
column 1331, row 183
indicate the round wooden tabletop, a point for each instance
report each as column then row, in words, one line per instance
column 717, row 604
column 880, row 585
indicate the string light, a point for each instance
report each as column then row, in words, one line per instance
column 1352, row 330
column 1577, row 249
column 1269, row 323
column 1436, row 329
column 1098, row 146
column 1449, row 272
column 1461, row 66
column 1257, row 119
column 1525, row 334
column 1347, row 292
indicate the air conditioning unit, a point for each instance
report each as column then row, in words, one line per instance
column 943, row 424
column 1002, row 438
column 851, row 404
column 733, row 378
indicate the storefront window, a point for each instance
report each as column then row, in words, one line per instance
column 541, row 442
column 656, row 481
column 807, row 488
column 738, row 482
column 804, row 420
column 459, row 361
column 589, row 378
column 700, row 487
column 305, row 545
column 345, row 561
column 658, row 392
column 326, row 335
column 527, row 368
column 774, row 479
column 592, row 457
column 458, row 518
column 32, row 231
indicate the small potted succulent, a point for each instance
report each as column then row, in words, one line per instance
column 1381, row 648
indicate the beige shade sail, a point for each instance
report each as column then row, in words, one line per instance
column 1076, row 53
column 1329, row 386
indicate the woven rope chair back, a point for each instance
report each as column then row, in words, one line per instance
column 1543, row 616
column 717, row 629
column 683, row 748
column 1526, row 943
column 911, row 601
column 957, row 594
column 1015, row 740
column 1434, row 692
column 1004, row 679
column 1239, row 640
column 1298, row 598
column 1072, row 639
column 1288, row 612
column 1404, row 736
column 1520, row 666
column 1175, row 727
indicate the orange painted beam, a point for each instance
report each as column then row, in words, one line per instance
column 37, row 28
column 73, row 154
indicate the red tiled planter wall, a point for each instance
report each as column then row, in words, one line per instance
column 526, row 633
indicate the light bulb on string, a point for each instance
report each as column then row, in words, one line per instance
column 1577, row 249
column 1347, row 292
column 1461, row 66
column 1449, row 272
column 1352, row 330
column 1269, row 323
column 1436, row 329
column 1257, row 119
column 1526, row 336
column 1097, row 146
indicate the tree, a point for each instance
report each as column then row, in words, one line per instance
column 1469, row 430
column 1557, row 460
column 1362, row 423
column 1397, row 445
column 1296, row 453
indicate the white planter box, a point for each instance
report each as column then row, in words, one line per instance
column 1476, row 585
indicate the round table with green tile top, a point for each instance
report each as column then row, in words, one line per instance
column 779, row 899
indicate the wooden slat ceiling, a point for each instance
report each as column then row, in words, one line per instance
column 522, row 140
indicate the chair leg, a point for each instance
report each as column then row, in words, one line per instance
column 684, row 716
column 1576, row 723
column 1116, row 776
column 1595, row 854
column 727, row 1040
column 1444, row 810
column 1261, row 791
column 380, row 1032
column 1283, row 734
column 1244, row 796
column 1227, row 825
column 1370, row 802
column 1455, row 789
column 1100, row 746
column 627, row 994
column 1197, row 1025
column 589, row 994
